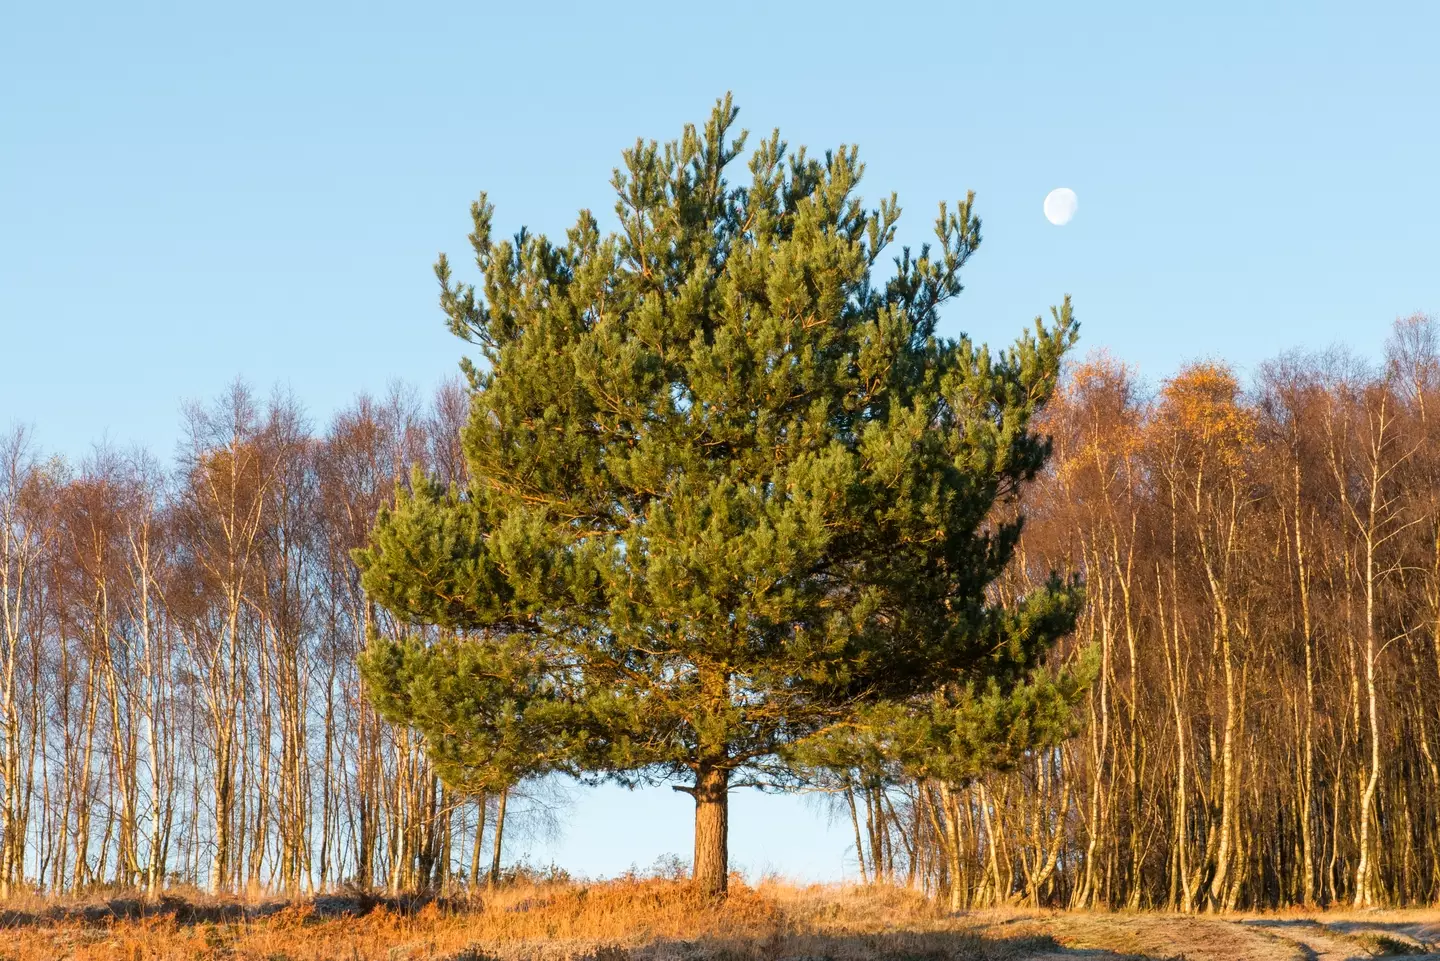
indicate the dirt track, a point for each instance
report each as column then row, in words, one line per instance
column 1330, row 937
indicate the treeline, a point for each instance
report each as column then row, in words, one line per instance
column 180, row 703
column 179, row 700
column 1262, row 565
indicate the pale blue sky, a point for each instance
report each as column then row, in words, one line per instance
column 190, row 192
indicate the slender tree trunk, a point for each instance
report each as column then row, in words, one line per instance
column 499, row 837
column 1046, row 870
column 480, row 804
column 1307, row 762
column 1364, row 882
column 859, row 842
column 950, row 812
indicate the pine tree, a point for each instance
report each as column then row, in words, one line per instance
column 729, row 497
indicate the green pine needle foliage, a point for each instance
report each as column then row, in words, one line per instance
column 732, row 499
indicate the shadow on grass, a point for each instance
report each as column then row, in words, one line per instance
column 1426, row 934
column 186, row 912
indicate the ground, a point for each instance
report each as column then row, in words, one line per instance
column 652, row 920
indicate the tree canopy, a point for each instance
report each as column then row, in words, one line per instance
column 734, row 506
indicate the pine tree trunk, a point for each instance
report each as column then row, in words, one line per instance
column 712, row 828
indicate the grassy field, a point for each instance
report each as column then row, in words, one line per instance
column 654, row 919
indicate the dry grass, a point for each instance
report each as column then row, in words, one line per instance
column 630, row 920
column 649, row 920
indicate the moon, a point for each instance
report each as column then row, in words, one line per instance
column 1060, row 205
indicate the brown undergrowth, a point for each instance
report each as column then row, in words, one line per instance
column 625, row 920
column 656, row 920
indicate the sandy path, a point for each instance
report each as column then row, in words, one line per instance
column 1201, row 938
